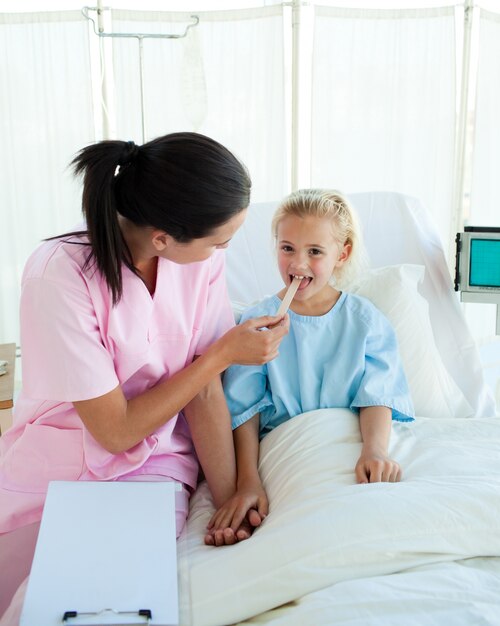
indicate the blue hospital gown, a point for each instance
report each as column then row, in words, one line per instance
column 347, row 358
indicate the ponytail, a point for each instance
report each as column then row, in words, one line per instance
column 98, row 164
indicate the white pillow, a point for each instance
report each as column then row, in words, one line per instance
column 323, row 528
column 394, row 291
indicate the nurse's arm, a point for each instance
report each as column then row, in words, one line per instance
column 119, row 424
column 210, row 424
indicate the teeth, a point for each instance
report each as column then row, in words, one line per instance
column 296, row 276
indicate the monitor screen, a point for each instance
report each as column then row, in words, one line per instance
column 484, row 267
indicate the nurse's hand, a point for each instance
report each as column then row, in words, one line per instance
column 247, row 344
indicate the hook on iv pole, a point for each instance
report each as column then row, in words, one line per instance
column 99, row 33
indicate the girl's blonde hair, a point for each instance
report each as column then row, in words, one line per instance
column 331, row 204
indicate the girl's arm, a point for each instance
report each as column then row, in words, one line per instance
column 247, row 508
column 210, row 424
column 119, row 424
column 374, row 465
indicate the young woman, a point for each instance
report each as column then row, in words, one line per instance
column 126, row 327
column 340, row 352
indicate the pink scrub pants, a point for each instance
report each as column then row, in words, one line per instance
column 17, row 549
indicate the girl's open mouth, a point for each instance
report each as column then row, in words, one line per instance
column 304, row 282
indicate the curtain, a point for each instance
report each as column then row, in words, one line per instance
column 485, row 193
column 384, row 104
column 45, row 117
column 224, row 79
column 484, row 207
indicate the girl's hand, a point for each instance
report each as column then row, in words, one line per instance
column 246, row 344
column 373, row 467
column 238, row 517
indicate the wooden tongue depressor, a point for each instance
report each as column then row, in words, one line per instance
column 285, row 303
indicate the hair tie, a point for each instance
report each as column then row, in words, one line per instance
column 129, row 153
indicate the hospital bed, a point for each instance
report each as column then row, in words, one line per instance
column 423, row 552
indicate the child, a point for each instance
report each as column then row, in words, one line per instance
column 340, row 352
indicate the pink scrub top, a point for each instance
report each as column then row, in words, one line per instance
column 76, row 346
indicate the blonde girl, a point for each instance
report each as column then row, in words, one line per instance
column 340, row 352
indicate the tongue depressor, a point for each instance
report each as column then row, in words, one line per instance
column 285, row 303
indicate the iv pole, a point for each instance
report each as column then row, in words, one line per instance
column 99, row 31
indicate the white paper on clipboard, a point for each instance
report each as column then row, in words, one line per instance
column 107, row 551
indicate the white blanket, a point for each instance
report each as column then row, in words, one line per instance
column 324, row 529
column 459, row 593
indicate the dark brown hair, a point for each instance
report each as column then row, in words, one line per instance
column 185, row 184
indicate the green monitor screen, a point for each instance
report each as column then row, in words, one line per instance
column 484, row 268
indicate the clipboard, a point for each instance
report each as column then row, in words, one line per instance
column 105, row 556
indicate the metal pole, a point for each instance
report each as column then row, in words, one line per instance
column 106, row 130
column 141, row 79
column 296, row 14
column 457, row 221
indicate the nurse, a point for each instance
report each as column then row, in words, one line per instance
column 126, row 327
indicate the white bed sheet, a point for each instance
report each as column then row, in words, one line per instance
column 324, row 530
column 459, row 593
